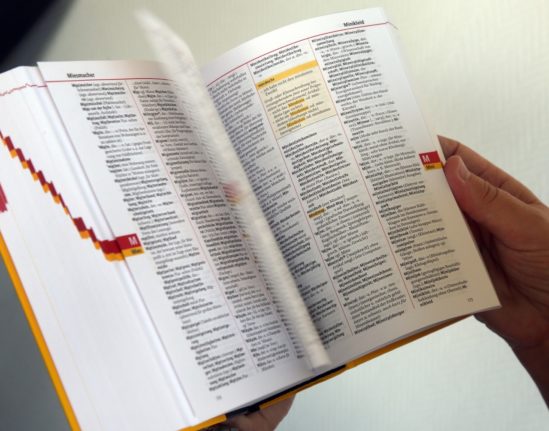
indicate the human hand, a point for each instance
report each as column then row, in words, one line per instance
column 263, row 420
column 511, row 226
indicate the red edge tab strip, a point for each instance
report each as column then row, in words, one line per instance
column 430, row 160
column 129, row 245
column 3, row 200
column 114, row 249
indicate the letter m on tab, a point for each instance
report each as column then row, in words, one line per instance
column 130, row 245
column 430, row 160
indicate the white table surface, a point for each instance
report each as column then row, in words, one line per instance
column 482, row 69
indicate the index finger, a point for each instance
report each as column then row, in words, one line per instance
column 481, row 167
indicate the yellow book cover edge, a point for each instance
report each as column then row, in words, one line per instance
column 39, row 338
column 339, row 370
column 64, row 400
column 360, row 360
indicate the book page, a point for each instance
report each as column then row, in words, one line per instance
column 204, row 294
column 350, row 178
column 88, row 316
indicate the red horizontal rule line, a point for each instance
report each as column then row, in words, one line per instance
column 21, row 87
column 114, row 249
column 56, row 81
column 28, row 85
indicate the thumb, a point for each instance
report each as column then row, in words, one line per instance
column 499, row 212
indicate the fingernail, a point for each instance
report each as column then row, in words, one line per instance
column 463, row 172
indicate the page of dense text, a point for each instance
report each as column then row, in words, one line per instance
column 350, row 178
column 216, row 319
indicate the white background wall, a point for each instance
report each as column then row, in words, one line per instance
column 482, row 69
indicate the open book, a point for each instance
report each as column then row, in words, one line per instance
column 163, row 292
